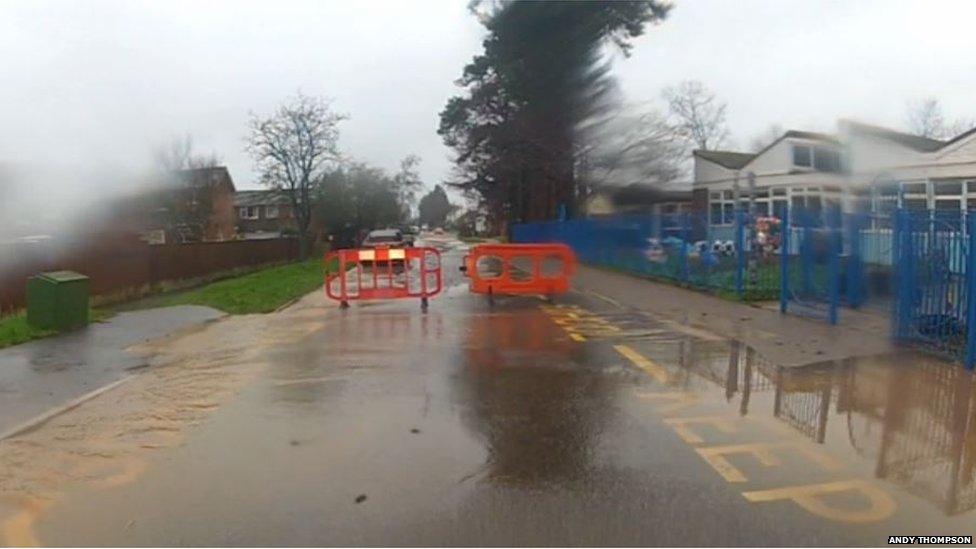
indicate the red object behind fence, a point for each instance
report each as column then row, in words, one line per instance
column 383, row 273
column 519, row 269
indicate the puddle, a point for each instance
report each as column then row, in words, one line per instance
column 903, row 419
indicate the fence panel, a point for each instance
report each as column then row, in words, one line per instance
column 118, row 264
column 681, row 248
column 934, row 280
column 810, row 264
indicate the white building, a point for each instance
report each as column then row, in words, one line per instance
column 861, row 168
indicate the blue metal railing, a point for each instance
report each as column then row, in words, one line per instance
column 917, row 264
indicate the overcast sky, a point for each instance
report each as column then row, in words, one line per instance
column 107, row 81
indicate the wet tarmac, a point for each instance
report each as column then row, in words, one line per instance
column 579, row 422
column 39, row 375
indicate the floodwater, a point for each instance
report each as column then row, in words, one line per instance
column 579, row 422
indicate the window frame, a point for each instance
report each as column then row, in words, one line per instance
column 809, row 155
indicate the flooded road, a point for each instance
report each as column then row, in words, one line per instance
column 578, row 422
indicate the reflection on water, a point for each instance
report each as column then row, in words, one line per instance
column 541, row 401
column 538, row 412
column 307, row 374
column 914, row 419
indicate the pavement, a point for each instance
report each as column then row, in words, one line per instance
column 597, row 419
column 43, row 374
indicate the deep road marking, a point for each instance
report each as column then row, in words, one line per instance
column 763, row 452
column 653, row 368
column 878, row 504
column 680, row 426
column 809, row 497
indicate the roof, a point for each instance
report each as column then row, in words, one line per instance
column 817, row 136
column 912, row 141
column 642, row 193
column 738, row 160
column 384, row 232
column 260, row 198
column 206, row 176
column 959, row 137
column 728, row 159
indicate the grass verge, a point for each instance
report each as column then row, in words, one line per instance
column 14, row 329
column 262, row 291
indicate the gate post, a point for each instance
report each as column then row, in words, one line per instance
column 833, row 266
column 806, row 253
column 740, row 252
column 970, row 278
column 905, row 269
column 683, row 219
column 855, row 263
column 784, row 260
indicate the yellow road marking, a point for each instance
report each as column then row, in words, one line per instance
column 653, row 368
column 715, row 456
column 680, row 425
column 763, row 451
column 679, row 400
column 808, row 497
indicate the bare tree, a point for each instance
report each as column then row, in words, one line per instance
column 408, row 182
column 959, row 126
column 697, row 113
column 179, row 154
column 924, row 117
column 631, row 146
column 183, row 204
column 292, row 148
column 765, row 138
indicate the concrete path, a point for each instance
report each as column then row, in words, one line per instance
column 42, row 375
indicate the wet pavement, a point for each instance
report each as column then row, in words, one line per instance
column 579, row 422
column 39, row 375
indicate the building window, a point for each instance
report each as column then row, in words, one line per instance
column 779, row 208
column 271, row 212
column 721, row 208
column 915, row 204
column 248, row 212
column 826, row 160
column 802, row 156
column 948, row 188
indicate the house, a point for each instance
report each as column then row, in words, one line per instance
column 799, row 169
column 209, row 193
column 862, row 168
column 890, row 169
column 263, row 214
column 192, row 205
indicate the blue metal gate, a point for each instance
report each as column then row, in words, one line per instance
column 936, row 274
column 810, row 258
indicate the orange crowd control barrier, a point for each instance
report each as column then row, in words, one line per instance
column 383, row 273
column 519, row 269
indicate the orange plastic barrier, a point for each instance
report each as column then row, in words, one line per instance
column 383, row 273
column 518, row 269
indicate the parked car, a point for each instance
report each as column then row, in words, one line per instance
column 410, row 235
column 384, row 238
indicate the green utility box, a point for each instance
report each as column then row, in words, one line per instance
column 58, row 300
